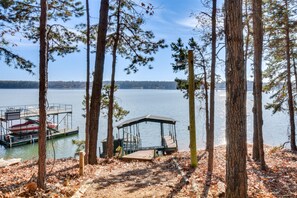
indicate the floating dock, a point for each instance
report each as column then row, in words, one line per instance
column 58, row 114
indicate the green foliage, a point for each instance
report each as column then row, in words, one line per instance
column 201, row 64
column 118, row 112
column 135, row 44
column 80, row 145
column 16, row 61
column 61, row 40
column 9, row 27
column 275, row 59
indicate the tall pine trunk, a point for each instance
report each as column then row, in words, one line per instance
column 258, row 51
column 295, row 69
column 212, row 85
column 87, row 85
column 112, row 85
column 42, row 96
column 256, row 154
column 206, row 107
column 289, row 84
column 97, row 83
column 236, row 149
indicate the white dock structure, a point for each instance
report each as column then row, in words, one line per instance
column 58, row 114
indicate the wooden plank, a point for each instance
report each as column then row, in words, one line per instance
column 146, row 155
column 169, row 142
column 4, row 163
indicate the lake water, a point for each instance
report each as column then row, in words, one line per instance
column 169, row 103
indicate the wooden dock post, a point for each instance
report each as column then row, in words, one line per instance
column 81, row 163
column 191, row 92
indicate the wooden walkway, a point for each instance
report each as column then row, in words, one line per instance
column 144, row 155
column 148, row 154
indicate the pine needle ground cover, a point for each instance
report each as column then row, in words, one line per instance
column 169, row 176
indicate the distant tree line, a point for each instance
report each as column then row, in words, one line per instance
column 121, row 85
column 82, row 85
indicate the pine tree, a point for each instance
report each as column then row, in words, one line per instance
column 97, row 83
column 43, row 69
column 10, row 25
column 125, row 25
column 236, row 148
column 258, row 51
column 279, row 27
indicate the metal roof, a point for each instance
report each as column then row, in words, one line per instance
column 147, row 118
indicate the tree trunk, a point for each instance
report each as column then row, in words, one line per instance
column 206, row 109
column 256, row 154
column 87, row 85
column 258, row 51
column 212, row 86
column 236, row 149
column 289, row 84
column 295, row 69
column 97, row 83
column 112, row 85
column 42, row 97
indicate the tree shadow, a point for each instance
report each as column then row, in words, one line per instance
column 162, row 174
column 184, row 181
column 278, row 179
column 139, row 178
column 207, row 183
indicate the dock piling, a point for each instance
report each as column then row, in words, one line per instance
column 81, row 163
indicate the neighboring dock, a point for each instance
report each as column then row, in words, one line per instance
column 60, row 115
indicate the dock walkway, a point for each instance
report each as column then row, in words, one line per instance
column 144, row 155
column 150, row 154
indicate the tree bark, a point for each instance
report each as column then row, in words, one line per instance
column 206, row 108
column 87, row 85
column 236, row 149
column 42, row 96
column 97, row 83
column 112, row 85
column 295, row 69
column 258, row 51
column 256, row 154
column 289, row 84
column 212, row 86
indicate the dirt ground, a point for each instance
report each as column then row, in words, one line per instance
column 167, row 176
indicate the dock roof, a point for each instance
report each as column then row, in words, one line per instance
column 147, row 118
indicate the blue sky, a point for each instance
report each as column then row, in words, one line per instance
column 170, row 21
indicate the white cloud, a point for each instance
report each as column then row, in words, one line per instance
column 189, row 22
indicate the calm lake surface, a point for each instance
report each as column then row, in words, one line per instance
column 169, row 103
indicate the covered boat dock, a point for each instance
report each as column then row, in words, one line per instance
column 129, row 133
column 58, row 114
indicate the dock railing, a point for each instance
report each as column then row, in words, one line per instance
column 33, row 110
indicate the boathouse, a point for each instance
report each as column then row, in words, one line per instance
column 58, row 115
column 129, row 138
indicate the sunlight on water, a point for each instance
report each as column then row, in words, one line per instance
column 169, row 103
